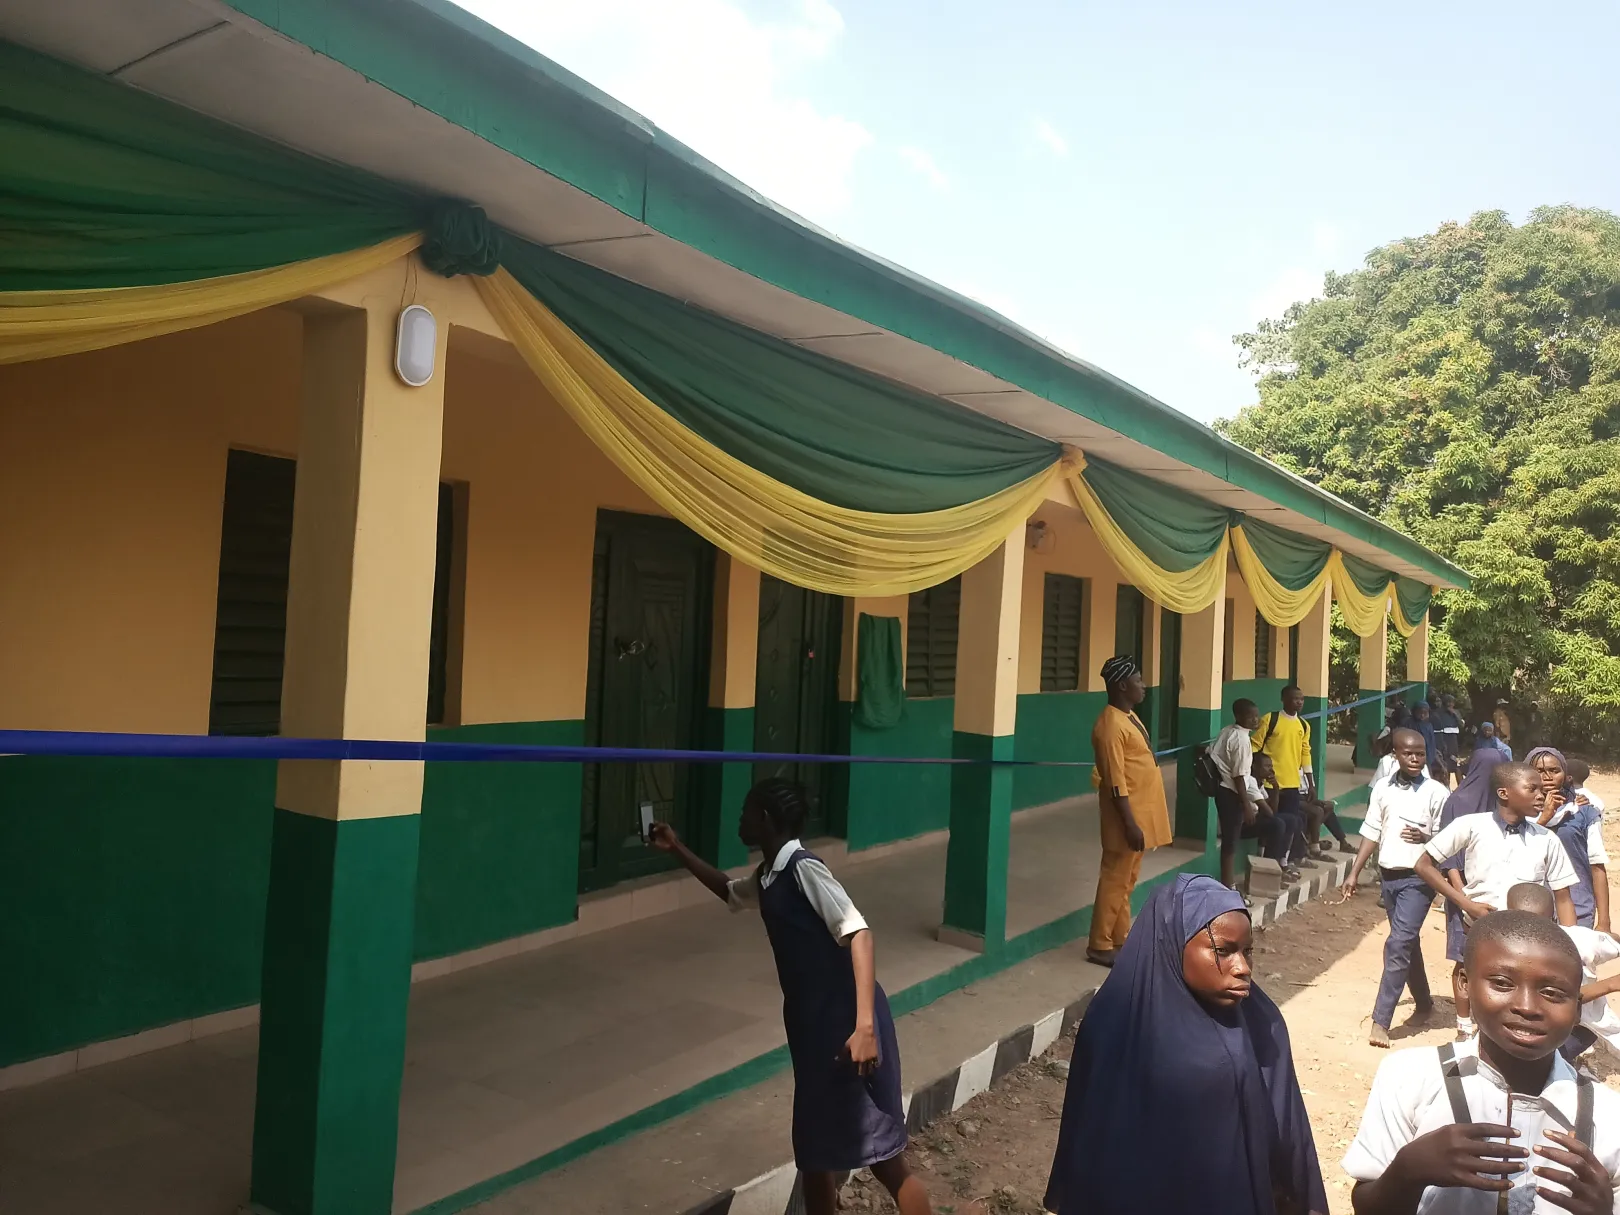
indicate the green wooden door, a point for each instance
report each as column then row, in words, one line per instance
column 650, row 611
column 1169, row 698
column 795, row 691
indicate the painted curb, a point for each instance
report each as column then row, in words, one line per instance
column 777, row 1192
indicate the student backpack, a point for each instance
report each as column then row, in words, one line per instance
column 1205, row 773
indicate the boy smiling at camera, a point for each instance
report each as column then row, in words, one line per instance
column 1456, row 1130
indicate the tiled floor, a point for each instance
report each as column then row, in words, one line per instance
column 510, row 1060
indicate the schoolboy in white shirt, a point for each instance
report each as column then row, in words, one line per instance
column 1501, row 1122
column 1598, row 1021
column 1402, row 814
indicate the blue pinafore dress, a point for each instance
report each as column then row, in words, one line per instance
column 1572, row 834
column 842, row 1120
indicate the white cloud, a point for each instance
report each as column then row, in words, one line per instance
column 924, row 164
column 1051, row 137
column 713, row 76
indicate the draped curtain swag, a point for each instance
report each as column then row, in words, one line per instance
column 124, row 217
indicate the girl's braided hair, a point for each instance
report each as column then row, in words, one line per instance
column 784, row 802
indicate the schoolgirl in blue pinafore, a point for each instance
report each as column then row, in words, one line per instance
column 1574, row 832
column 847, row 1109
column 842, row 1120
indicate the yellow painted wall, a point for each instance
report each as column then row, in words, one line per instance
column 534, row 484
column 112, row 481
column 112, row 477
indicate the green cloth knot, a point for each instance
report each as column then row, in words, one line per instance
column 460, row 240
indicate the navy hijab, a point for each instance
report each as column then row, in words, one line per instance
column 1174, row 1108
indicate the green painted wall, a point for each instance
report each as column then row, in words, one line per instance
column 500, row 842
column 337, row 979
column 896, row 801
column 722, row 787
column 132, row 891
column 1267, row 693
column 1054, row 726
column 131, row 894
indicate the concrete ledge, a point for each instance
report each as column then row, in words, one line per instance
column 777, row 1192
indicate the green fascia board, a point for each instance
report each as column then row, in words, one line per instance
column 455, row 65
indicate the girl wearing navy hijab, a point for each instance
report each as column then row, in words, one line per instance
column 1579, row 828
column 1179, row 1047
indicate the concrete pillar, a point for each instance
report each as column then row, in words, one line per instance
column 1315, row 645
column 339, row 921
column 1417, row 661
column 985, row 717
column 729, row 722
column 1198, row 717
column 1152, row 676
column 1373, row 678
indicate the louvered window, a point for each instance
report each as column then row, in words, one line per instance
column 250, row 624
column 1262, row 647
column 1061, row 620
column 932, row 620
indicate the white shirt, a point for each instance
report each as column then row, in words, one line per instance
column 1596, row 853
column 1387, row 767
column 1596, row 948
column 1394, row 806
column 1592, row 798
column 1253, row 789
column 826, row 894
column 1233, row 752
column 1408, row 1099
column 1496, row 858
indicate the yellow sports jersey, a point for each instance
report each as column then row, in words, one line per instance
column 1289, row 746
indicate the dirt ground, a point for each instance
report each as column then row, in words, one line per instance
column 1320, row 962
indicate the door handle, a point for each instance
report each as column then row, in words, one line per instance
column 628, row 649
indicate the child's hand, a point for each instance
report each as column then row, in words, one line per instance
column 1414, row 835
column 662, row 837
column 862, row 1050
column 1463, row 1155
column 1474, row 909
column 1582, row 1175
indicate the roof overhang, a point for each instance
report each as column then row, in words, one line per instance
column 425, row 94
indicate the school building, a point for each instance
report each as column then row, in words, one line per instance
column 364, row 375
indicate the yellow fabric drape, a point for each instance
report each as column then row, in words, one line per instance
column 1362, row 612
column 755, row 518
column 1189, row 591
column 45, row 324
column 1279, row 606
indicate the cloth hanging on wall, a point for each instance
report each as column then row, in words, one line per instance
column 880, row 681
column 1286, row 573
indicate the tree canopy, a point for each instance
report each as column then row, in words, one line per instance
column 1464, row 386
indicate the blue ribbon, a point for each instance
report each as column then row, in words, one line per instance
column 207, row 746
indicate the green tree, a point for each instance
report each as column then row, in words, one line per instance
column 1465, row 387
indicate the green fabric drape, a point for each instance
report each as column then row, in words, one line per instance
column 1369, row 579
column 105, row 186
column 1412, row 600
column 1293, row 560
column 825, row 428
column 880, row 673
column 1174, row 529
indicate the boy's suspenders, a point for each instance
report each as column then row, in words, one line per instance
column 1450, row 1069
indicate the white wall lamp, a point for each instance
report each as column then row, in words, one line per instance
column 1039, row 536
column 415, row 343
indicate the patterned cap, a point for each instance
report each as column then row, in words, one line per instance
column 1118, row 669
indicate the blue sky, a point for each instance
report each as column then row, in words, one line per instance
column 1135, row 182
